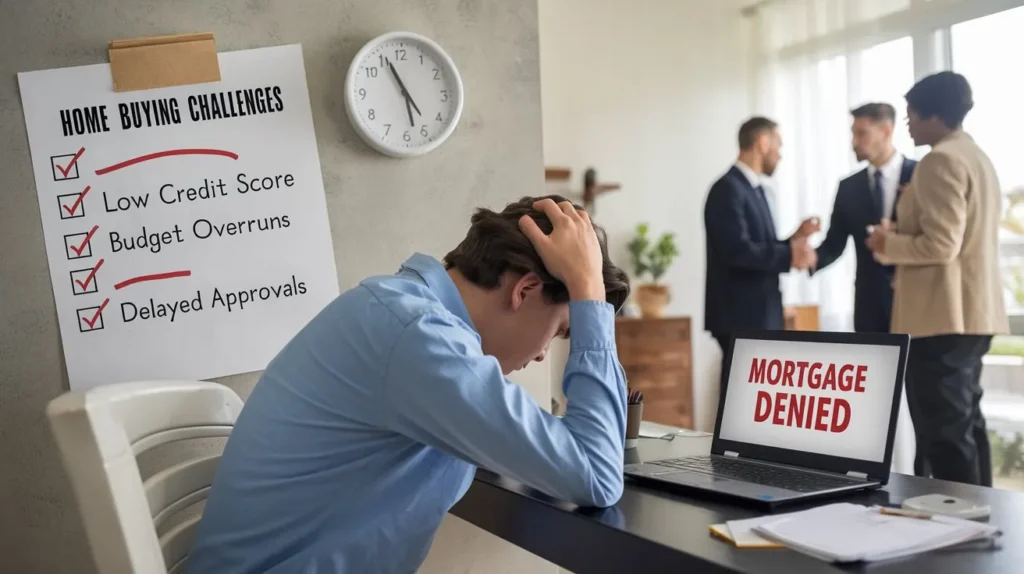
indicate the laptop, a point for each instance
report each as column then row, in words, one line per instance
column 804, row 415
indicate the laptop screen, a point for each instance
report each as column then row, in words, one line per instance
column 833, row 399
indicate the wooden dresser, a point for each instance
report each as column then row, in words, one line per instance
column 657, row 356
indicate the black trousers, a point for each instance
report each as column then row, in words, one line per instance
column 944, row 396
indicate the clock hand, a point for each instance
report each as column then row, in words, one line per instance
column 401, row 86
column 409, row 109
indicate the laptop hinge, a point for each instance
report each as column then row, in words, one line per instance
column 732, row 454
column 855, row 474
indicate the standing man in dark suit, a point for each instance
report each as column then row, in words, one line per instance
column 866, row 198
column 744, row 254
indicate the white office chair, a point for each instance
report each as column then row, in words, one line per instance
column 101, row 431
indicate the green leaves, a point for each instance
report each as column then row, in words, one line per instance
column 654, row 259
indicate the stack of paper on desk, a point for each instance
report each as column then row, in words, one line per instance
column 741, row 532
column 853, row 533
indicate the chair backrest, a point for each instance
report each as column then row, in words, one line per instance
column 101, row 431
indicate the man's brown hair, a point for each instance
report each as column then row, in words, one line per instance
column 876, row 112
column 752, row 129
column 494, row 245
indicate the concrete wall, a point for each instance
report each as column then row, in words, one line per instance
column 650, row 93
column 391, row 207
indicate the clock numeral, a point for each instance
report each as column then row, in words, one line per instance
column 444, row 95
column 399, row 54
column 387, row 129
column 371, row 72
column 362, row 93
column 438, row 118
column 406, row 136
column 421, row 59
column 424, row 132
column 372, row 114
column 437, row 74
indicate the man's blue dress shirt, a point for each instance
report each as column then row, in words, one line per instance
column 368, row 426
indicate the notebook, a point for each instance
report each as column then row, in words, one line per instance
column 741, row 532
column 854, row 533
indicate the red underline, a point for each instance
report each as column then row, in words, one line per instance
column 154, row 277
column 167, row 153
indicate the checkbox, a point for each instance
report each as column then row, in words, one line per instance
column 65, row 166
column 84, row 281
column 78, row 245
column 91, row 318
column 70, row 206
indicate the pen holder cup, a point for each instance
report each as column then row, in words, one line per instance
column 634, row 414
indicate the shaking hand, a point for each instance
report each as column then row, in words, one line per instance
column 802, row 255
column 808, row 227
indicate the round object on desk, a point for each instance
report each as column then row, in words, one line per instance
column 947, row 506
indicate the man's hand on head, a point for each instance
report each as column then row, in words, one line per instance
column 571, row 253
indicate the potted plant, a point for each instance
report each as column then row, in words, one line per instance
column 652, row 259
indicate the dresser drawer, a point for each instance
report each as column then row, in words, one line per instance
column 664, row 330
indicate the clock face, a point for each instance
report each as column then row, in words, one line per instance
column 404, row 95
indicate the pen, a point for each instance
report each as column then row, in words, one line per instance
column 905, row 513
column 635, row 397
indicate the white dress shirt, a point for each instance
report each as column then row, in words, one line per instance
column 753, row 177
column 891, row 172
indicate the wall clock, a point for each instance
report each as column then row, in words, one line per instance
column 403, row 94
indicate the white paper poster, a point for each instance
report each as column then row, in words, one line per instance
column 186, row 228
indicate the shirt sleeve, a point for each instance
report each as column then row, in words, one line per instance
column 942, row 187
column 443, row 391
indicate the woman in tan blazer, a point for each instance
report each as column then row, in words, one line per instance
column 947, row 289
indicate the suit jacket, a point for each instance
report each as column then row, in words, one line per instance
column 744, row 258
column 946, row 249
column 854, row 210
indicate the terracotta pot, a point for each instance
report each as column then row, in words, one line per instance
column 652, row 299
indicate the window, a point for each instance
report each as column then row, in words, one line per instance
column 886, row 73
column 981, row 50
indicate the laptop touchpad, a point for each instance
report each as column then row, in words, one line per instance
column 696, row 478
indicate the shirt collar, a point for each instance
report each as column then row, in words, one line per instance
column 752, row 177
column 890, row 169
column 440, row 283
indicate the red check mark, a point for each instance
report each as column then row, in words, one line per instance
column 96, row 316
column 88, row 236
column 74, row 206
column 88, row 278
column 64, row 171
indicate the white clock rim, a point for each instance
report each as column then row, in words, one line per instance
column 350, row 99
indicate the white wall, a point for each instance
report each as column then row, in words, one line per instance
column 650, row 93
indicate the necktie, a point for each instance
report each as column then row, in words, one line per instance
column 879, row 194
column 767, row 209
column 764, row 198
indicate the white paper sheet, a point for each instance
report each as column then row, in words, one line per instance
column 186, row 228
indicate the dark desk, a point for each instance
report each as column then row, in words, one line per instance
column 654, row 531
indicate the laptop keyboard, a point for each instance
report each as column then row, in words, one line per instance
column 763, row 474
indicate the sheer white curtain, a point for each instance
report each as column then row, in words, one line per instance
column 818, row 59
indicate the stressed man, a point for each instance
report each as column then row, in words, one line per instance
column 369, row 425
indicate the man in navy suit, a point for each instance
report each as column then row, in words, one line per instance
column 864, row 199
column 744, row 253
